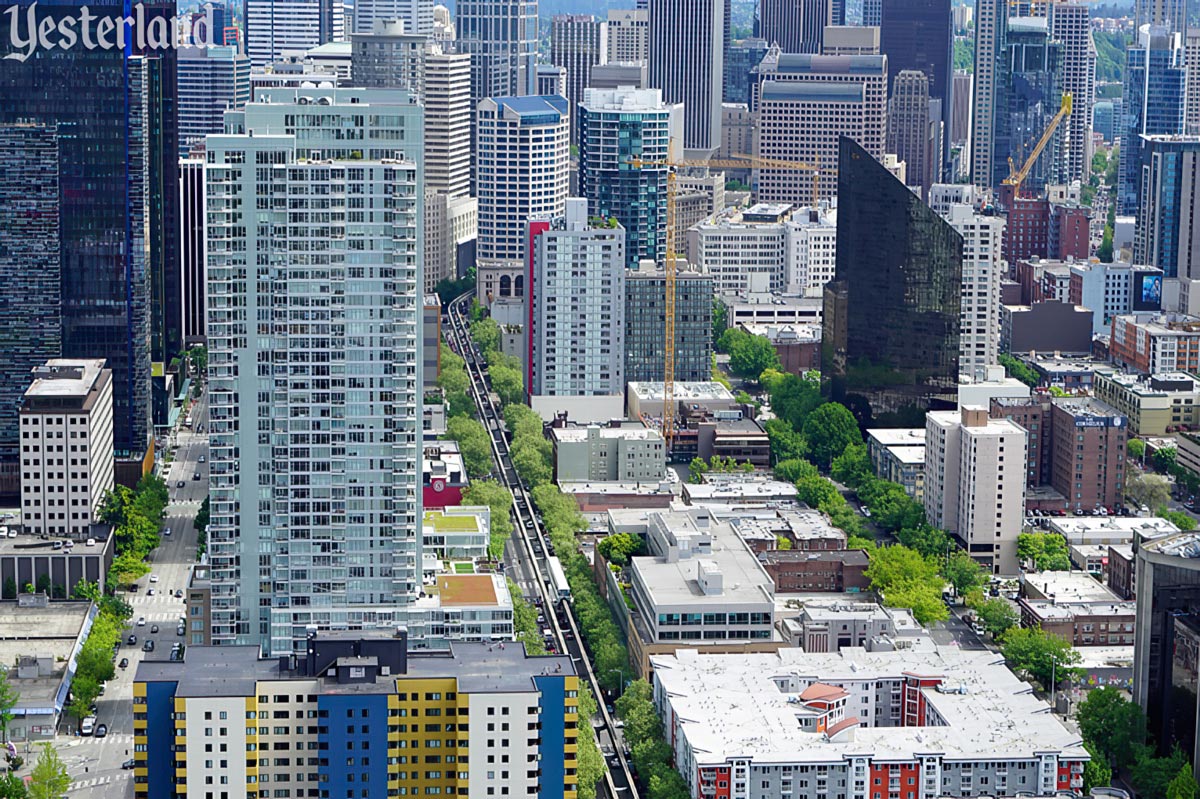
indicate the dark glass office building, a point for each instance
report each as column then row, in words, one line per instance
column 645, row 326
column 891, row 325
column 919, row 34
column 1028, row 95
column 96, row 99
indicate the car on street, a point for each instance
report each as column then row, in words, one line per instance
column 132, row 640
column 154, row 578
column 150, row 592
column 179, row 593
column 141, row 622
column 148, row 646
column 196, row 476
column 203, row 459
column 87, row 726
column 180, row 484
column 154, row 628
column 179, row 630
column 866, row 511
column 101, row 730
column 128, row 764
column 166, row 531
column 124, row 663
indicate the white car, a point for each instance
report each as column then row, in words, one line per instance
column 154, row 578
column 141, row 622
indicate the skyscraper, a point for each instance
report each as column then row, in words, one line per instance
column 687, row 62
column 646, row 327
column 628, row 35
column 274, row 27
column 909, row 131
column 577, row 43
column 191, row 248
column 212, row 80
column 1071, row 26
column 30, row 256
column 1171, row 14
column 991, row 22
column 1191, row 51
column 795, row 25
column 1166, row 234
column 983, row 269
column 523, row 154
column 616, row 126
column 890, row 346
column 501, row 38
column 1154, row 102
column 919, row 34
column 826, row 97
column 577, row 305
column 1028, row 95
column 448, row 123
column 388, row 57
column 103, row 249
column 337, row 541
column 417, row 15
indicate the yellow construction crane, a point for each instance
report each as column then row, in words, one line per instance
column 1017, row 176
column 739, row 161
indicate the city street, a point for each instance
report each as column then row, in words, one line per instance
column 95, row 763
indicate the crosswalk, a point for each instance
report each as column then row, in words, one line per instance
column 113, row 738
column 94, row 782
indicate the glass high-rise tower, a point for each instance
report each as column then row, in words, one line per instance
column 314, row 321
column 1154, row 102
column 892, row 313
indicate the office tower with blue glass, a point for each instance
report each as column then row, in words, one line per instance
column 1154, row 103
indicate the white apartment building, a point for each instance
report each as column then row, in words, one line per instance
column 687, row 62
column 578, row 305
column 626, row 452
column 1191, row 55
column 810, row 249
column 447, row 94
column 628, row 35
column 67, row 466
column 982, row 271
column 915, row 722
column 975, row 482
column 275, row 28
column 1108, row 290
column 523, row 161
column 826, row 97
column 944, row 195
column 335, row 426
column 991, row 18
column 743, row 250
column 388, row 56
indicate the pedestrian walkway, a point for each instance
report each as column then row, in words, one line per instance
column 79, row 785
column 119, row 738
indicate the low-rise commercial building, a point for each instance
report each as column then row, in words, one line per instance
column 645, row 399
column 800, row 571
column 443, row 475
column 835, row 624
column 462, row 607
column 1082, row 623
column 1104, row 530
column 55, row 566
column 798, row 346
column 898, row 456
column 1154, row 404
column 358, row 698
column 39, row 642
column 457, row 531
column 908, row 723
column 765, row 308
column 739, row 490
column 620, row 452
column 803, row 529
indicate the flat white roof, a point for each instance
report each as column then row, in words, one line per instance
column 898, row 436
column 576, row 434
column 1072, row 586
column 909, row 455
column 731, row 706
column 65, row 377
column 1123, row 526
column 709, row 391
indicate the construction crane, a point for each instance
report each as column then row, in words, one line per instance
column 1012, row 183
column 739, row 161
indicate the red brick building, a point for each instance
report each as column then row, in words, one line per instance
column 825, row 570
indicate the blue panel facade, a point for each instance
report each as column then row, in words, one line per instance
column 160, row 736
column 553, row 735
column 353, row 740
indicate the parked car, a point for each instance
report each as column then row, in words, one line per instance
column 128, row 764
column 179, row 630
column 132, row 640
column 124, row 663
column 87, row 726
column 154, row 628
column 101, row 730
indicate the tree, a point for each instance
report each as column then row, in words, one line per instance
column 817, row 492
column 1047, row 551
column 531, row 463
column 926, row 539
column 752, row 356
column 1044, row 656
column 8, row 700
column 829, row 430
column 1180, row 519
column 891, row 506
column 790, row 471
column 523, row 421
column 963, row 572
column 127, row 568
column 12, row 786
column 853, row 467
column 201, row 520
column 508, row 384
column 1096, row 772
column 923, row 599
column 783, row 543
column 49, row 779
column 618, row 548
column 697, row 469
column 1164, row 459
column 1112, row 725
column 198, row 355
column 793, row 398
column 1019, row 370
column 1105, row 251
column 720, row 315
column 730, row 338
column 473, row 442
column 1151, row 490
column 1152, row 776
column 1184, row 785
column 1136, row 448
column 496, row 497
column 896, row 565
column 997, row 616
column 786, row 443
column 84, row 690
column 486, row 335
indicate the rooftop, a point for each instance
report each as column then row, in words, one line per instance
column 802, row 524
column 782, row 335
column 1066, row 587
column 1087, row 407
column 913, row 456
column 65, row 377
column 732, row 487
column 743, row 706
column 1184, row 545
column 472, row 590
column 684, row 392
column 899, row 436
column 458, row 522
column 741, row 579
column 1065, row 611
column 580, row 434
column 1124, row 527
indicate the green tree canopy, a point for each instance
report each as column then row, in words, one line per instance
column 1040, row 654
column 786, row 443
column 790, row 471
column 473, row 442
column 618, row 548
column 1136, row 448
column 49, row 779
column 853, row 467
column 964, row 572
column 997, row 616
column 752, row 356
column 1019, row 370
column 1164, row 459
column 508, row 384
column 1151, row 490
column 829, row 430
column 1112, row 725
column 1047, row 551
column 1180, row 519
column 486, row 335
column 817, row 492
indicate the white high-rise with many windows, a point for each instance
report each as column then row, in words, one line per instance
column 991, row 21
column 687, row 62
column 314, row 323
column 276, row 27
column 417, row 15
column 1071, row 24
column 523, row 156
column 212, row 80
column 628, row 35
column 982, row 271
